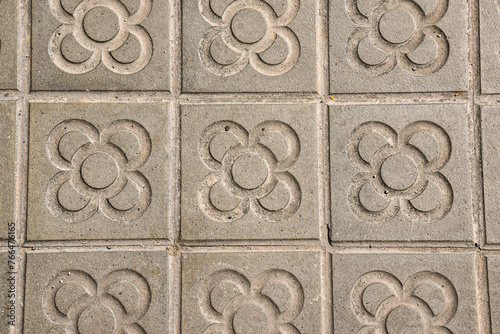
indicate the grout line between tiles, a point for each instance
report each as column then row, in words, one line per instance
column 24, row 46
column 322, row 66
column 21, row 289
column 324, row 173
column 327, row 292
column 174, row 299
column 175, row 47
column 483, row 300
column 174, row 172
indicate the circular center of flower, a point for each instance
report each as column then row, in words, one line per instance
column 399, row 172
column 248, row 26
column 101, row 24
column 99, row 171
column 249, row 171
column 96, row 319
column 250, row 319
column 397, row 25
column 404, row 320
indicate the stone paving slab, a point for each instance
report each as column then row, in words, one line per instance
column 127, row 291
column 404, row 293
column 400, row 178
column 98, row 171
column 240, row 290
column 246, row 175
column 249, row 166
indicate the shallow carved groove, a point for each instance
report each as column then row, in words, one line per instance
column 397, row 52
column 250, row 293
column 73, row 23
column 248, row 143
column 96, row 292
column 249, row 53
column 404, row 296
column 71, row 171
column 370, row 172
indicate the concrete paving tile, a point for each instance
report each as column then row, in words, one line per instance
column 97, row 171
column 7, row 164
column 100, row 45
column 8, row 45
column 404, row 293
column 251, row 292
column 490, row 122
column 494, row 291
column 249, row 172
column 400, row 178
column 490, row 59
column 249, row 46
column 104, row 292
column 398, row 46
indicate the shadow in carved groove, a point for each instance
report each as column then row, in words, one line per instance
column 370, row 172
column 249, row 53
column 96, row 293
column 72, row 24
column 71, row 171
column 249, row 199
column 397, row 52
column 250, row 293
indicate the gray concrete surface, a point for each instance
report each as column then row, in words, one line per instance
column 249, row 166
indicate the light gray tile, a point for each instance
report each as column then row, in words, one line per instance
column 109, row 291
column 398, row 46
column 249, row 172
column 400, row 173
column 402, row 292
column 490, row 43
column 123, row 45
column 254, row 291
column 98, row 171
column 8, row 45
column 267, row 46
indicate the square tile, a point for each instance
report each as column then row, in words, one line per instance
column 123, row 45
column 400, row 178
column 8, row 311
column 249, row 172
column 8, row 45
column 494, row 291
column 105, row 292
column 403, row 292
column 251, row 292
column 98, row 171
column 267, row 46
column 490, row 58
column 398, row 46
column 490, row 122
column 7, row 164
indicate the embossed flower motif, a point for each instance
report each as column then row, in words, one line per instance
column 101, row 50
column 96, row 293
column 249, row 198
column 250, row 293
column 399, row 199
column 403, row 295
column 98, row 197
column 276, row 26
column 397, row 53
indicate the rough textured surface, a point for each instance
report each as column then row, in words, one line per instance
column 98, row 171
column 400, row 178
column 250, row 166
column 385, row 46
column 284, row 63
column 7, row 163
column 491, row 125
column 139, row 47
column 401, row 290
column 249, row 172
column 114, row 291
column 254, row 291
